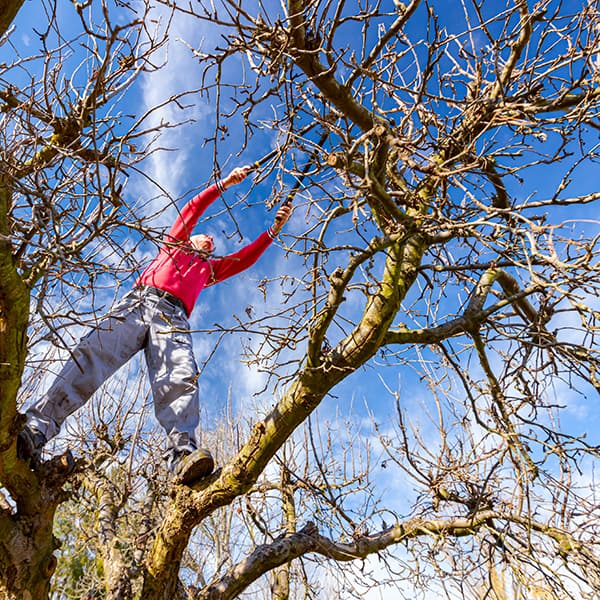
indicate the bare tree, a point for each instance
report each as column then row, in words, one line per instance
column 65, row 152
column 442, row 165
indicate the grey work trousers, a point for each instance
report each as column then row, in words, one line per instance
column 140, row 321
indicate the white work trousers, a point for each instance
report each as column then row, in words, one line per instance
column 140, row 321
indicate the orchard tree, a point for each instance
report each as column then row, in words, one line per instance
column 64, row 151
column 441, row 164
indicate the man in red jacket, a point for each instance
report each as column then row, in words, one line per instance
column 153, row 317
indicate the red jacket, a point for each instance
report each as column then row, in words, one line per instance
column 182, row 271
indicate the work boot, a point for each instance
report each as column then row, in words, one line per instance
column 189, row 465
column 30, row 444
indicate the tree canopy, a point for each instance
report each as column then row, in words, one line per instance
column 441, row 270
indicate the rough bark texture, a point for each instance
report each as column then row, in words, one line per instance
column 8, row 11
column 14, row 316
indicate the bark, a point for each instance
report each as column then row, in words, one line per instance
column 27, row 543
column 117, row 576
column 309, row 540
column 8, row 12
column 26, row 552
column 26, row 540
column 14, row 315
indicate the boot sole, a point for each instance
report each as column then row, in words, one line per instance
column 194, row 467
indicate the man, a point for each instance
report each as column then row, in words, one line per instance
column 153, row 317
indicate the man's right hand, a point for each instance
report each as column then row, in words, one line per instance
column 236, row 176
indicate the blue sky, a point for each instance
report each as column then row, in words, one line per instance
column 367, row 395
column 189, row 166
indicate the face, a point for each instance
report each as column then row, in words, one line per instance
column 203, row 243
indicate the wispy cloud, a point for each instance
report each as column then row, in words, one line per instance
column 175, row 167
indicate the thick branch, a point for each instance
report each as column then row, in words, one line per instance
column 290, row 546
column 516, row 50
column 323, row 77
column 8, row 12
column 339, row 280
column 400, row 272
column 14, row 316
column 474, row 314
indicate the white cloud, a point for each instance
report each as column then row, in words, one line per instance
column 180, row 72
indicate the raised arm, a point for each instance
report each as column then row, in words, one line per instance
column 233, row 264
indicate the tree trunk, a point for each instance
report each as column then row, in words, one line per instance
column 26, row 540
column 26, row 559
column 14, row 317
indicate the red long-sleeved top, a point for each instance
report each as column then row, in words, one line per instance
column 182, row 271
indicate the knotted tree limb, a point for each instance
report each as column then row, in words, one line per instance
column 307, row 59
column 308, row 540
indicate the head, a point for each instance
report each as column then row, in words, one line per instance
column 203, row 243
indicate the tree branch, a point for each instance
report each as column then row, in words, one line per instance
column 8, row 12
column 308, row 540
